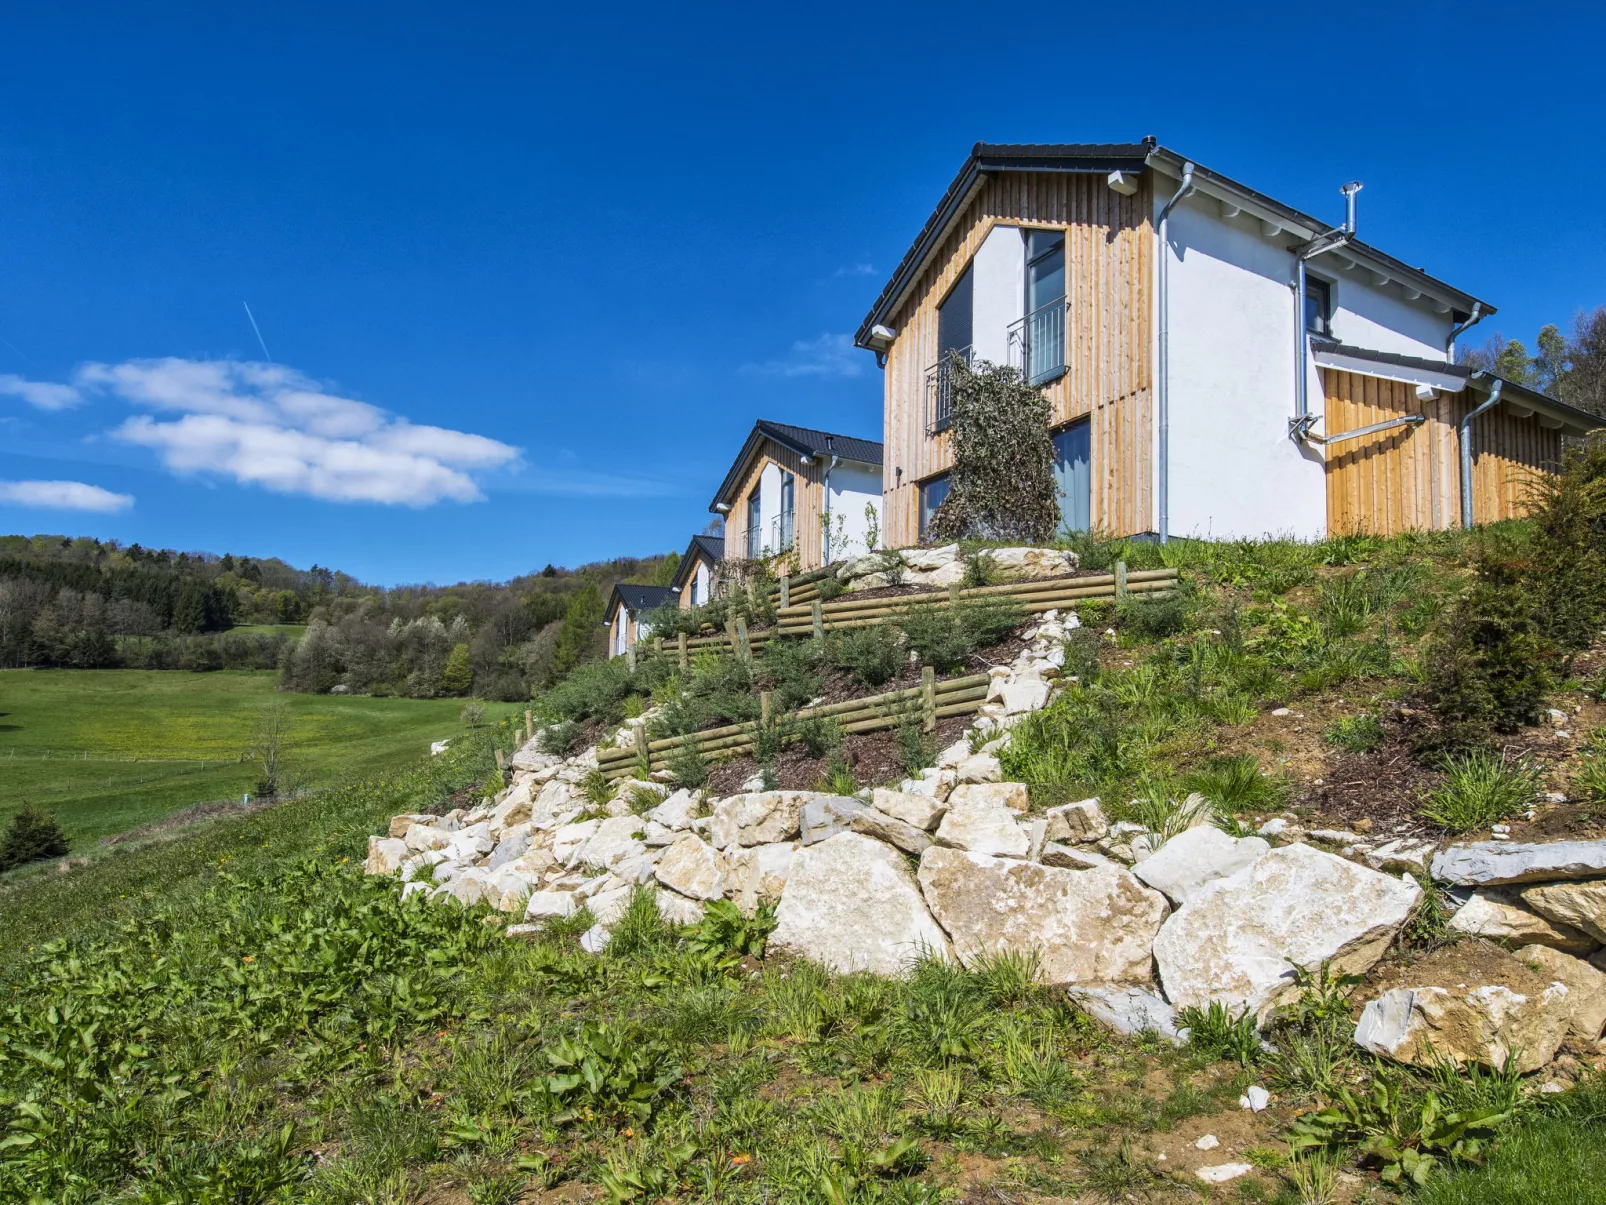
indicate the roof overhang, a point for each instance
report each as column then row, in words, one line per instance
column 1444, row 376
column 694, row 552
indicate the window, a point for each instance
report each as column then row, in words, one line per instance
column 932, row 495
column 694, row 585
column 1043, row 328
column 755, row 534
column 1045, row 268
column 1073, row 476
column 955, row 317
column 786, row 519
column 1318, row 306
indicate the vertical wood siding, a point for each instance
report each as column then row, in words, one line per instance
column 1409, row 478
column 1109, row 267
column 808, row 501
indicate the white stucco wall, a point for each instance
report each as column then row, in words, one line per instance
column 853, row 487
column 702, row 581
column 769, row 507
column 1233, row 470
column 999, row 298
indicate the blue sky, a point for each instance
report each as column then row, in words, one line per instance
column 528, row 276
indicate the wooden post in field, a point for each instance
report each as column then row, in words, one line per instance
column 529, row 725
column 786, row 589
column 730, row 632
column 744, row 650
column 639, row 727
column 819, row 620
column 1120, row 581
column 928, row 699
column 764, row 708
column 681, row 640
column 498, row 759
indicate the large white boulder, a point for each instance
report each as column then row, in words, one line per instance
column 1586, row 988
column 424, row 837
column 1128, row 1010
column 758, row 874
column 1503, row 917
column 824, row 816
column 1489, row 863
column 1076, row 823
column 882, row 827
column 990, row 794
column 1188, row 861
column 983, row 827
column 1088, row 926
column 759, row 818
column 544, row 904
column 614, row 841
column 1239, row 937
column 1442, row 1013
column 922, row 811
column 677, row 909
column 570, row 839
column 693, row 868
column 676, row 812
column 980, row 767
column 1579, row 905
column 385, row 855
column 1014, row 563
column 472, row 842
column 852, row 904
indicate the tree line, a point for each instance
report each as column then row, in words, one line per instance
column 1570, row 366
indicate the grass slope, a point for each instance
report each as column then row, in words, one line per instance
column 108, row 750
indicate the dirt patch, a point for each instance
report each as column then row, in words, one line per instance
column 871, row 756
column 193, row 814
column 1471, row 961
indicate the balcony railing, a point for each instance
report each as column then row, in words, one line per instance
column 940, row 389
column 1037, row 343
column 783, row 528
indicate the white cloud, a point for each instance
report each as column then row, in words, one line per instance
column 268, row 425
column 827, row 356
column 46, row 395
column 854, row 270
column 63, row 495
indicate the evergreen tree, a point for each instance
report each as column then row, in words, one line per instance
column 31, row 836
column 458, row 677
column 579, row 632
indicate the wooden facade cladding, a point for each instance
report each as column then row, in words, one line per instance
column 808, row 503
column 1409, row 478
column 1109, row 268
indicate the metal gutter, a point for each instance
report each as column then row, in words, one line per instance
column 1466, row 452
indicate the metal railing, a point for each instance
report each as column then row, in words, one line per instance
column 940, row 388
column 1037, row 343
column 783, row 530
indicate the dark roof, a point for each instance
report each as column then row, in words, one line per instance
column 989, row 159
column 637, row 599
column 805, row 441
column 1570, row 417
column 712, row 547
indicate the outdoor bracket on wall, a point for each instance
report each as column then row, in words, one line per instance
column 1410, row 420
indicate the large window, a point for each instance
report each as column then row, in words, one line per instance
column 755, row 525
column 1044, row 326
column 932, row 495
column 1318, row 306
column 787, row 517
column 1073, row 476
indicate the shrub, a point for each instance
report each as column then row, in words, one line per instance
column 1155, row 619
column 1479, row 789
column 933, row 631
column 872, row 653
column 980, row 569
column 1236, row 784
column 472, row 715
column 1083, row 647
column 832, row 587
column 790, row 669
column 1002, row 483
column 32, row 836
column 916, row 749
column 1217, row 1033
column 986, row 621
column 686, row 766
column 820, row 734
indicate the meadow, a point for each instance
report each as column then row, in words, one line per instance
column 109, row 750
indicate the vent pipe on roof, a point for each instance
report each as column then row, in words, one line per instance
column 1466, row 452
column 1163, row 389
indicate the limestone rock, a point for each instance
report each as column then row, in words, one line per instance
column 851, row 904
column 1489, row 863
column 1586, row 987
column 824, row 816
column 568, row 841
column 758, row 874
column 1237, row 938
column 1501, row 916
column 1023, row 695
column 422, row 837
column 981, row 767
column 1129, row 1010
column 1402, row 854
column 400, row 824
column 873, row 823
column 693, row 868
column 608, row 906
column 469, row 888
column 1580, row 905
column 1012, row 564
column 655, row 835
column 1077, row 823
column 919, row 810
column 1088, row 926
column 511, row 847
column 677, row 909
column 534, row 862
column 555, row 798
column 983, row 828
column 1188, row 861
column 676, row 812
column 595, row 939
column 761, row 818
column 1437, row 1014
column 614, row 841
column 1223, row 1172
column 1070, row 857
column 990, row 794
column 471, row 842
column 385, row 855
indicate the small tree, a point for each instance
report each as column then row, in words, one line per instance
column 1002, row 483
column 270, row 746
column 458, row 675
column 581, row 630
column 32, row 835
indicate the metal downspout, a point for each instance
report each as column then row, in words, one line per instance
column 825, row 541
column 1163, row 470
column 1466, row 454
column 1457, row 331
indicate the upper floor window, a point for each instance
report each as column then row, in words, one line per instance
column 784, row 521
column 755, row 522
column 1318, row 306
column 1040, row 335
column 1045, row 268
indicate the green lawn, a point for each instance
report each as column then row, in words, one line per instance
column 292, row 630
column 108, row 750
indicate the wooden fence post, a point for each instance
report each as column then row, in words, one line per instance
column 743, row 649
column 1120, row 581
column 928, row 699
column 730, row 633
column 953, row 593
column 639, row 727
column 786, row 589
column 764, row 708
column 529, row 725
column 658, row 645
column 681, row 640
column 819, row 620
column 498, row 759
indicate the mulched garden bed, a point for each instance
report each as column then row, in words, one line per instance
column 872, row 756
